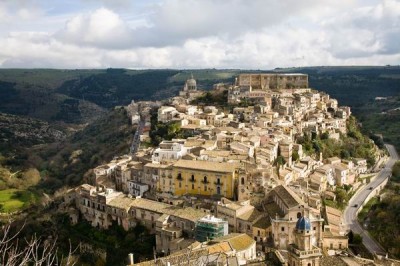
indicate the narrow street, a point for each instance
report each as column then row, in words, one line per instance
column 350, row 213
column 136, row 137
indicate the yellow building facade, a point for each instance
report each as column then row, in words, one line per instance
column 204, row 178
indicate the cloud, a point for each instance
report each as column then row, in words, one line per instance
column 102, row 28
column 255, row 34
column 19, row 9
column 175, row 21
column 365, row 31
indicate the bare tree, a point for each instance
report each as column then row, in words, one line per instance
column 34, row 251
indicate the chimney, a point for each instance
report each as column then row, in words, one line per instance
column 131, row 259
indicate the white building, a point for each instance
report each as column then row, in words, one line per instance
column 169, row 150
column 166, row 113
column 137, row 189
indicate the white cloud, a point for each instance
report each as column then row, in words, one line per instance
column 256, row 34
column 102, row 28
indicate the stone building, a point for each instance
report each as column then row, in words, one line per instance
column 272, row 81
column 205, row 178
column 303, row 251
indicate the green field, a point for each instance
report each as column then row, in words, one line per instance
column 13, row 199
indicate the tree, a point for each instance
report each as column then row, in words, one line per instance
column 396, row 171
column 34, row 251
column 295, row 156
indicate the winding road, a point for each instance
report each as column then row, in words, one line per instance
column 350, row 213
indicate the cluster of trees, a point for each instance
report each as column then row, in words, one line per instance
column 382, row 220
column 18, row 180
column 213, row 98
column 387, row 124
column 343, row 196
column 165, row 131
column 115, row 241
column 70, row 161
column 396, row 172
column 352, row 145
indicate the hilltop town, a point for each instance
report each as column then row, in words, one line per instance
column 226, row 183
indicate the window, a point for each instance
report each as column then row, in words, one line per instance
column 192, row 177
column 315, row 228
column 242, row 181
column 283, row 229
column 205, row 188
column 205, row 179
column 192, row 186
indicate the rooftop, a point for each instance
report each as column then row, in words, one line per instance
column 290, row 198
column 155, row 206
column 237, row 241
column 207, row 166
column 121, row 202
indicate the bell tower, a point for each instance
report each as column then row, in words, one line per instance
column 302, row 252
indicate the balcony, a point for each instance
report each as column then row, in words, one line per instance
column 205, row 181
column 169, row 176
column 192, row 180
column 218, row 183
column 315, row 251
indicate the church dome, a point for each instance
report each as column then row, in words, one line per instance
column 191, row 82
column 303, row 224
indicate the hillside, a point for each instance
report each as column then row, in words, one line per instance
column 116, row 87
column 80, row 96
column 382, row 117
column 17, row 132
column 68, row 161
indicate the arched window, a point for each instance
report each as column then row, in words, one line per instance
column 205, row 179
column 298, row 215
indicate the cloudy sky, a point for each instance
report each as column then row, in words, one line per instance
column 256, row 34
